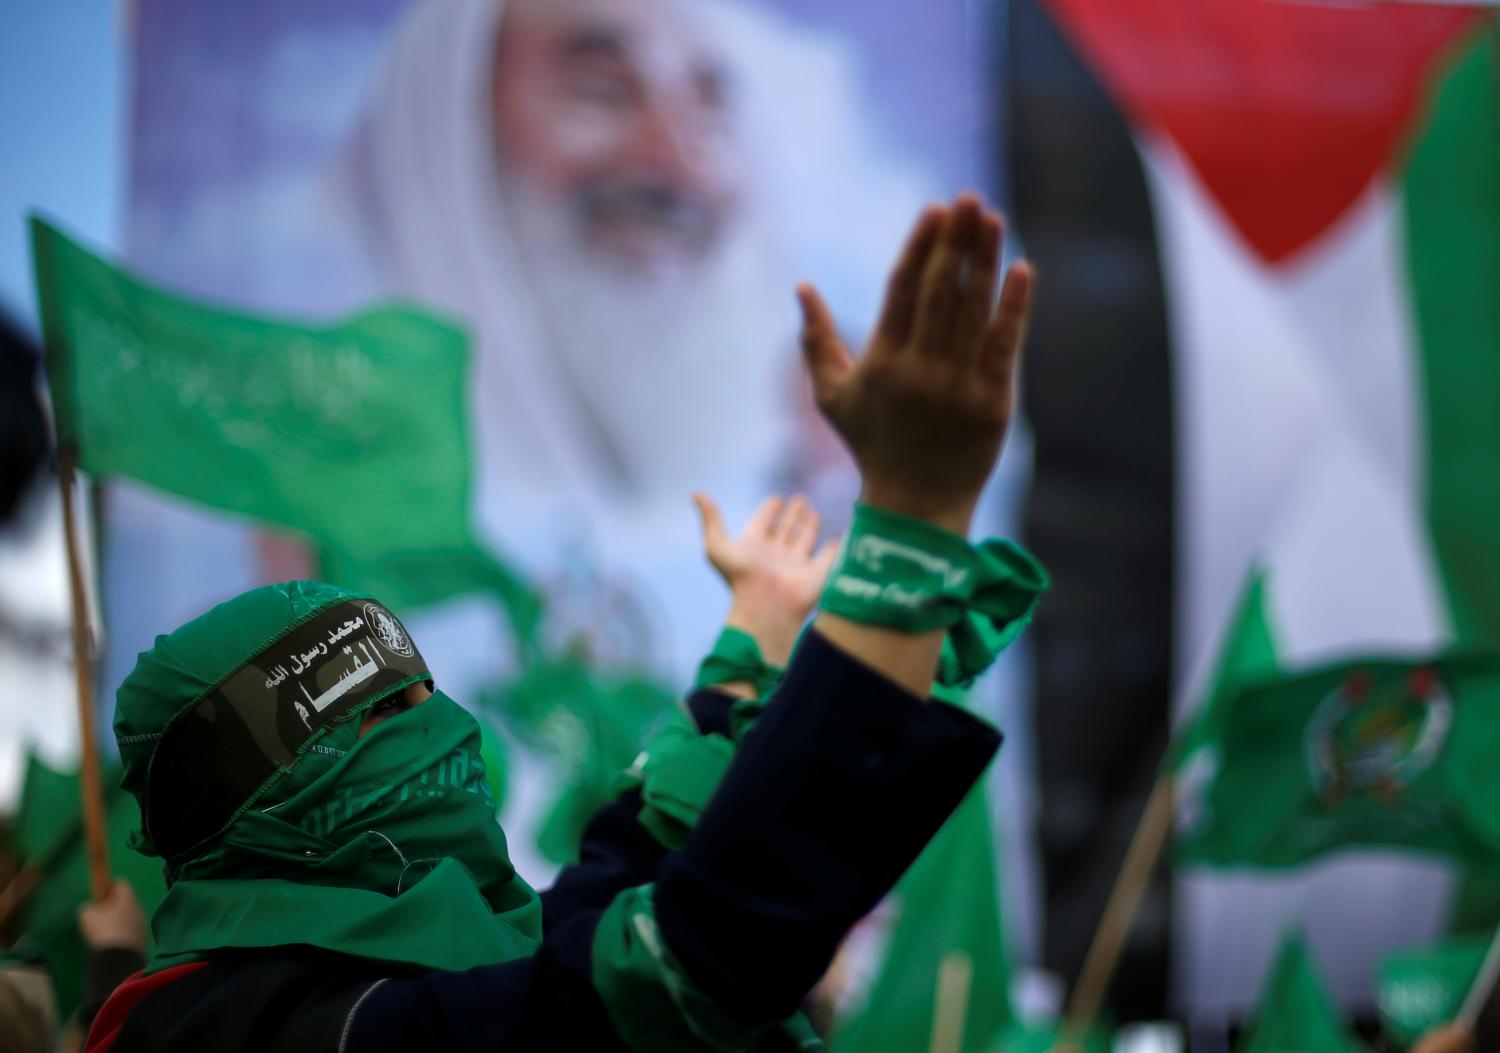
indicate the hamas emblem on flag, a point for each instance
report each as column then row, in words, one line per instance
column 388, row 631
column 1377, row 732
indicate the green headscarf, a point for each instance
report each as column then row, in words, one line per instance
column 384, row 847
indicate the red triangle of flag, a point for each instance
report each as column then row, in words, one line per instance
column 1286, row 110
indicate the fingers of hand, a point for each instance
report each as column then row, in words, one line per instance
column 900, row 309
column 785, row 525
column 828, row 360
column 763, row 520
column 801, row 526
column 939, row 299
column 977, row 290
column 1007, row 329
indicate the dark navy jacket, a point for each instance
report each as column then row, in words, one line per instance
column 844, row 780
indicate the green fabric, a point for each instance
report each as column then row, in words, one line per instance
column 1452, row 230
column 1380, row 752
column 1295, row 1014
column 736, row 656
column 595, row 724
column 949, row 912
column 906, row 574
column 49, row 834
column 1418, row 990
column 677, row 773
column 1248, row 655
column 306, row 428
column 655, row 1006
column 1034, row 1038
column 384, row 846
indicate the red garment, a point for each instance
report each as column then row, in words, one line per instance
column 118, row 1006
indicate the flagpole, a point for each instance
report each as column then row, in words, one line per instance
column 1483, row 985
column 951, row 1002
column 16, row 890
column 1119, row 914
column 89, row 783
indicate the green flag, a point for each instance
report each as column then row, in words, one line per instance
column 592, row 721
column 1379, row 752
column 1418, row 990
column 1296, row 1015
column 1342, row 709
column 354, row 434
column 49, row 835
column 945, row 982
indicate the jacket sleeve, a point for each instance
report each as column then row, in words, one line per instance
column 830, row 797
column 617, row 852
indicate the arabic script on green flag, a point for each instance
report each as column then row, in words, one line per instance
column 1418, row 990
column 355, row 433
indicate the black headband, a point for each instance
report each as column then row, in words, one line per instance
column 218, row 754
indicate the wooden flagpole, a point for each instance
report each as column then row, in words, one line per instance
column 15, row 892
column 89, row 783
column 1119, row 914
column 1483, row 985
column 951, row 1002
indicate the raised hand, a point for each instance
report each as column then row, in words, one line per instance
column 925, row 410
column 775, row 569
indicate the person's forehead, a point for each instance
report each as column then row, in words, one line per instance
column 661, row 34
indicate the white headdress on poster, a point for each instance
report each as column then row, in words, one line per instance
column 587, row 379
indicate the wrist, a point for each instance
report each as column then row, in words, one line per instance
column 774, row 631
column 953, row 514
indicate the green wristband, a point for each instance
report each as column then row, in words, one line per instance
column 736, row 657
column 906, row 574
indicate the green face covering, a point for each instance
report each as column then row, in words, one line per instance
column 385, row 847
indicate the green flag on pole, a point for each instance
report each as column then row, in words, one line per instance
column 1342, row 708
column 945, row 983
column 1418, row 990
column 1379, row 752
column 49, row 836
column 1296, row 1014
column 353, row 434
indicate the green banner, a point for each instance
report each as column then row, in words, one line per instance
column 1418, row 990
column 947, row 953
column 49, row 835
column 1381, row 752
column 354, row 434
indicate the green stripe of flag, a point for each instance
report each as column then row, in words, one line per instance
column 1452, row 206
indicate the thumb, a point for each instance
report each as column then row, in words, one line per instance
column 712, row 521
column 828, row 360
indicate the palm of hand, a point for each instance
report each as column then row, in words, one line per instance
column 777, row 558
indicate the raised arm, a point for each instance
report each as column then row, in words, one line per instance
column 848, row 771
column 925, row 410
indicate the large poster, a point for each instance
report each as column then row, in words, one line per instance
column 613, row 197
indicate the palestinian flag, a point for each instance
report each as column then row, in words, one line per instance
column 1271, row 237
column 1325, row 187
